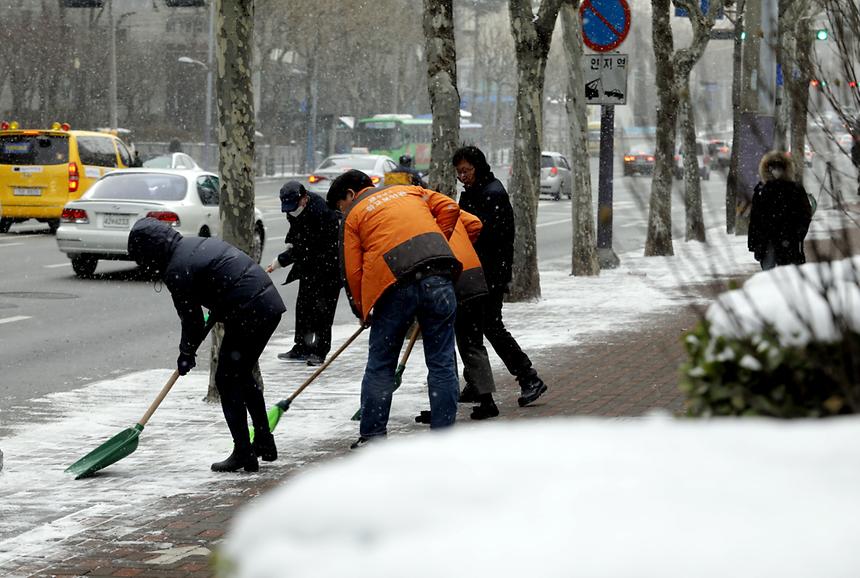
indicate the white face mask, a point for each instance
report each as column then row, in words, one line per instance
column 297, row 212
column 776, row 172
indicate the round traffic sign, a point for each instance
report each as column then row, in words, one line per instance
column 605, row 23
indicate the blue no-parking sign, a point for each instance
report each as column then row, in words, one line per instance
column 605, row 23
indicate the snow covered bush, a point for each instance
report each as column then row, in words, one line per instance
column 785, row 345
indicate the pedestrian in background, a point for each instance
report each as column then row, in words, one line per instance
column 312, row 250
column 404, row 174
column 485, row 197
column 399, row 265
column 780, row 214
column 207, row 272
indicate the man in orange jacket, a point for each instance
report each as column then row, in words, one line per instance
column 398, row 265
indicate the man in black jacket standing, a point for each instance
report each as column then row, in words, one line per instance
column 312, row 250
column 486, row 198
column 207, row 272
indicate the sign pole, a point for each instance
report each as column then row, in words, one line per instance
column 605, row 254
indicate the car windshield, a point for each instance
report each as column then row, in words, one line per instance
column 546, row 161
column 162, row 162
column 34, row 149
column 360, row 163
column 140, row 186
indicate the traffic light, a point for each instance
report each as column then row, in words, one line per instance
column 821, row 34
column 83, row 3
column 815, row 83
column 185, row 3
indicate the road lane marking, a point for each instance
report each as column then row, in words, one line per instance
column 551, row 223
column 10, row 244
column 66, row 264
column 13, row 319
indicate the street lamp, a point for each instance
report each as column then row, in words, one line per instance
column 208, row 113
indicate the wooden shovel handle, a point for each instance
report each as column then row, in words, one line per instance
column 210, row 323
column 161, row 395
column 322, row 367
column 412, row 339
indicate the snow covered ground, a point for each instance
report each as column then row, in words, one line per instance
column 572, row 497
column 41, row 508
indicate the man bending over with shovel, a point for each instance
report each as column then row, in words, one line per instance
column 397, row 262
column 207, row 272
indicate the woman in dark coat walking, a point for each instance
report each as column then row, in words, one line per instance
column 780, row 214
column 207, row 272
column 486, row 198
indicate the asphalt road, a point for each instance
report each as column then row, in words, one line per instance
column 58, row 332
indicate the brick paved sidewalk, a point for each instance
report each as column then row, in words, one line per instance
column 617, row 374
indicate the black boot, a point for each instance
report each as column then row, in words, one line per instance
column 532, row 387
column 242, row 457
column 487, row 409
column 264, row 445
column 423, row 417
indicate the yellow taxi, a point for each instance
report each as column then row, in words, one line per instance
column 41, row 170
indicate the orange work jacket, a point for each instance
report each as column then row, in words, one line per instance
column 390, row 233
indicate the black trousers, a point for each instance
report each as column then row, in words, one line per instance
column 469, row 330
column 316, row 304
column 505, row 346
column 240, row 350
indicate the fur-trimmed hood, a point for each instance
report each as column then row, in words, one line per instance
column 776, row 159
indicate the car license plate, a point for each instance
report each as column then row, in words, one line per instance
column 116, row 220
column 26, row 192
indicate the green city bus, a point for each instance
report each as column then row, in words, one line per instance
column 394, row 135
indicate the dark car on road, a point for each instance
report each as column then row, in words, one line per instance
column 638, row 162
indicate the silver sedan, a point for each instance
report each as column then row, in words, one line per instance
column 374, row 166
column 97, row 225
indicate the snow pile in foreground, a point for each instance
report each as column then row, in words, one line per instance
column 803, row 304
column 571, row 497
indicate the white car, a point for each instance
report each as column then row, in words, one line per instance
column 171, row 161
column 374, row 166
column 702, row 158
column 97, row 225
column 555, row 176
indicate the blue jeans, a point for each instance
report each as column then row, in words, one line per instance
column 433, row 302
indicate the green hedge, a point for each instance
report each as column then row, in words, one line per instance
column 759, row 376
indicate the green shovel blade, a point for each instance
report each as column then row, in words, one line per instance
column 110, row 452
column 274, row 416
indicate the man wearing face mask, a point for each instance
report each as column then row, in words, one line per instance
column 312, row 250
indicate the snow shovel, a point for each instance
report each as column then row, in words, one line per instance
column 401, row 367
column 125, row 442
column 282, row 406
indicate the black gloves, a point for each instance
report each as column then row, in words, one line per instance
column 185, row 363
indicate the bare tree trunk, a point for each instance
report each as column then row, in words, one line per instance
column 659, row 239
column 236, row 126
column 695, row 223
column 798, row 91
column 532, row 38
column 683, row 62
column 444, row 98
column 584, row 250
column 737, row 69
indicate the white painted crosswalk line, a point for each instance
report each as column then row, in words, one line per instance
column 66, row 264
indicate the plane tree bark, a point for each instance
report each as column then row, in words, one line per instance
column 444, row 98
column 532, row 38
column 584, row 250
